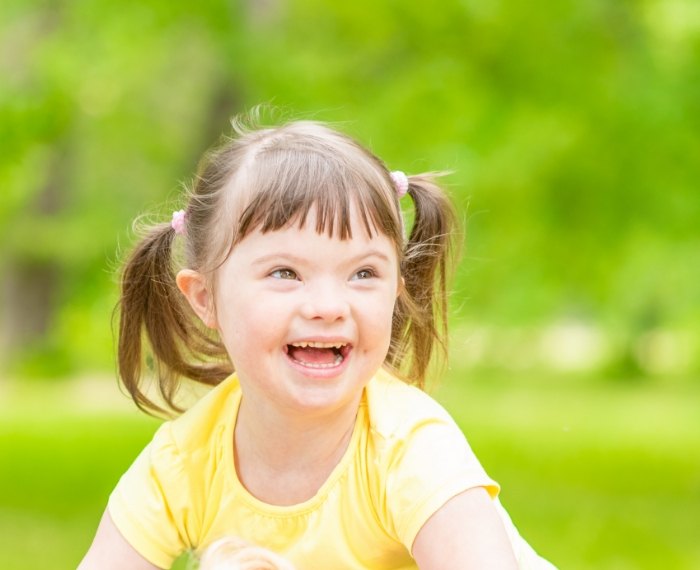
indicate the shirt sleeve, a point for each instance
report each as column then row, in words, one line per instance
column 148, row 505
column 431, row 463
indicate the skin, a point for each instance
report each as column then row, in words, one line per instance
column 465, row 533
column 110, row 551
column 294, row 286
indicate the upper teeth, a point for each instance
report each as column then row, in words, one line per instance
column 314, row 344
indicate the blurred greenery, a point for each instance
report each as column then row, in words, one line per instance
column 572, row 130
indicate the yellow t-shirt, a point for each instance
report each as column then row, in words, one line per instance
column 406, row 458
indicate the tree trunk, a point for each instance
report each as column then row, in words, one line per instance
column 31, row 283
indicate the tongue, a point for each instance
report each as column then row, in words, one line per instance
column 312, row 355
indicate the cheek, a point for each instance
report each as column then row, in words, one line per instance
column 379, row 316
column 232, row 319
column 250, row 322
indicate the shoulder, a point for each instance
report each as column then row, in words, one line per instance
column 215, row 410
column 396, row 408
column 409, row 431
column 418, row 456
column 182, row 444
column 158, row 501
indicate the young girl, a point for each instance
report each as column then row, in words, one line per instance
column 303, row 301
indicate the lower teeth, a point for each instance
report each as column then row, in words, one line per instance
column 338, row 360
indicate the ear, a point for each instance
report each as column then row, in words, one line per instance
column 193, row 286
column 401, row 286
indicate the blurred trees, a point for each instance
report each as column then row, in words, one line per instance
column 571, row 127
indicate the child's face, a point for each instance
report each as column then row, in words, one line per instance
column 306, row 319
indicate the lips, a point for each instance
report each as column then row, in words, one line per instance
column 316, row 354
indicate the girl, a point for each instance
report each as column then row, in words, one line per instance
column 304, row 303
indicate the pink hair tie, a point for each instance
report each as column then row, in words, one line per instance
column 178, row 222
column 400, row 181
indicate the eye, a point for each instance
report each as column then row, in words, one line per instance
column 284, row 273
column 364, row 274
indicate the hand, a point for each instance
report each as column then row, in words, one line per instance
column 230, row 553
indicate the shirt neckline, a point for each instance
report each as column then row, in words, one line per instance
column 299, row 508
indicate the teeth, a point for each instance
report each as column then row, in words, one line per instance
column 313, row 344
column 338, row 360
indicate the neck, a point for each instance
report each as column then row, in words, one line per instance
column 284, row 459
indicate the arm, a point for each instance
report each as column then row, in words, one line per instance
column 110, row 551
column 466, row 533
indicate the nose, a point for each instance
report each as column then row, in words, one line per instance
column 325, row 300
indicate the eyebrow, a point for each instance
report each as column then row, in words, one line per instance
column 264, row 259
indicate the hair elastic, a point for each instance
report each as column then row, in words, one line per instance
column 178, row 222
column 400, row 181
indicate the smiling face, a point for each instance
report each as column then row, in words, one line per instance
column 306, row 318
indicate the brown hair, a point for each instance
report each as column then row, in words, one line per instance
column 265, row 179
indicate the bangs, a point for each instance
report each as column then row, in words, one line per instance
column 287, row 181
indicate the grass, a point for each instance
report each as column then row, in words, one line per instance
column 595, row 475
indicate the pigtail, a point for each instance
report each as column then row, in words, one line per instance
column 420, row 321
column 152, row 312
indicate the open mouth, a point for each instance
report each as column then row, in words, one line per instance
column 318, row 354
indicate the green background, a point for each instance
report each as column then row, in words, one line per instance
column 572, row 133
